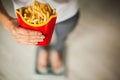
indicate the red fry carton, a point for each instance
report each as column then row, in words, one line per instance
column 46, row 28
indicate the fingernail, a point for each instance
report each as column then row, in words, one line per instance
column 42, row 37
column 36, row 43
column 41, row 40
column 39, row 33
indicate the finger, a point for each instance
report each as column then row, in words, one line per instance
column 28, row 40
column 31, row 32
column 29, row 37
column 28, row 43
column 27, row 32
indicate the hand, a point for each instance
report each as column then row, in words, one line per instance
column 21, row 35
column 24, row 36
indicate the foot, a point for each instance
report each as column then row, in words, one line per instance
column 56, row 62
column 42, row 61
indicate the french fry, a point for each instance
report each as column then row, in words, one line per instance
column 37, row 13
column 54, row 11
column 49, row 8
column 21, row 11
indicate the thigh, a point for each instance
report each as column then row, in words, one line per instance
column 64, row 28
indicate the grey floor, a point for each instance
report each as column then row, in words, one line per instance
column 93, row 47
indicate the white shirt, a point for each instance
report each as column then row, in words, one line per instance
column 65, row 9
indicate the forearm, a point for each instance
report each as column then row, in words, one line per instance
column 4, row 17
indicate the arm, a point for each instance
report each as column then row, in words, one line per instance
column 21, row 35
column 4, row 17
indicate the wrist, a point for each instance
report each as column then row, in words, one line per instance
column 7, row 23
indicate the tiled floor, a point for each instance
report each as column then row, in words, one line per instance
column 93, row 47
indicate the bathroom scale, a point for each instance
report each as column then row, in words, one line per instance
column 50, row 75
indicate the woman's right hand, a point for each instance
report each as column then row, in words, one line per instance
column 22, row 35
